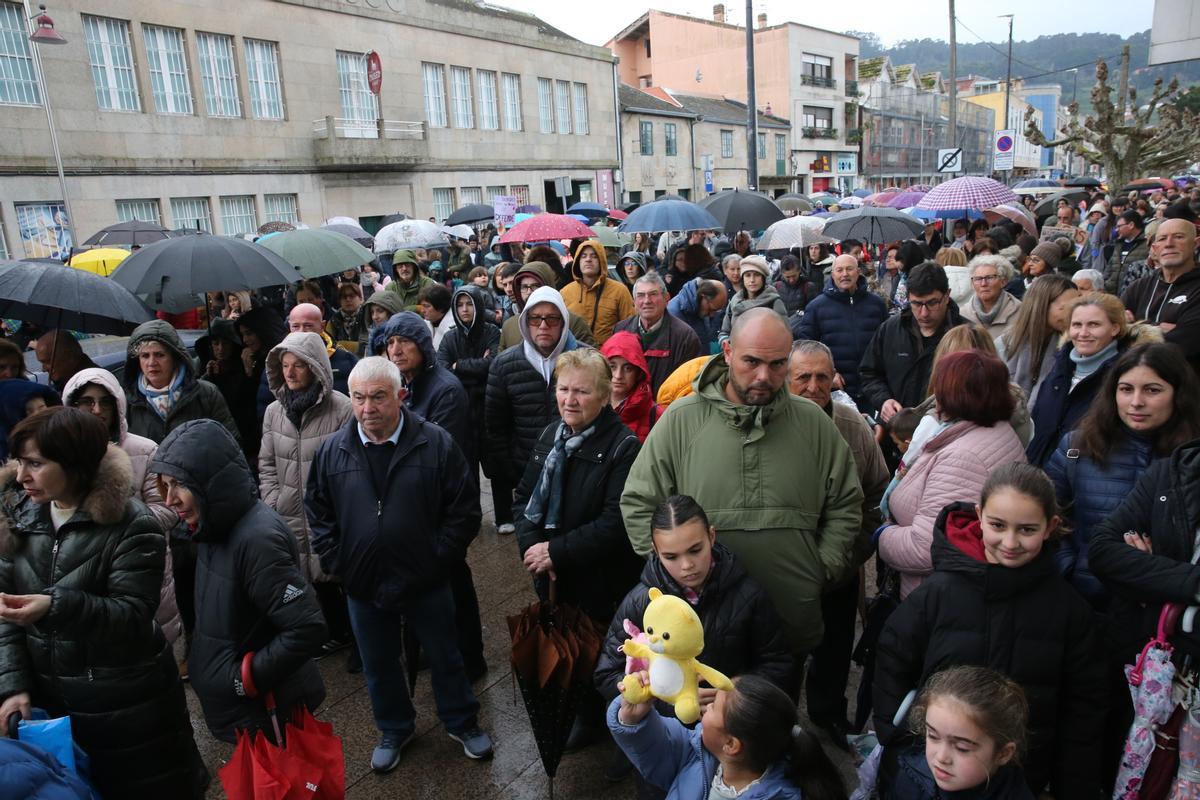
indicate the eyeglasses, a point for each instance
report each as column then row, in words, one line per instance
column 528, row 287
column 984, row 279
column 538, row 321
column 90, row 403
column 926, row 305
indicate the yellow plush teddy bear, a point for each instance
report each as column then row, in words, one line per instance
column 674, row 639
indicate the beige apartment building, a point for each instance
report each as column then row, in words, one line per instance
column 223, row 115
column 805, row 74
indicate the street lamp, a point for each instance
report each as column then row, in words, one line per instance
column 46, row 34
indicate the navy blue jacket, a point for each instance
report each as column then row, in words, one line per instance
column 685, row 305
column 1090, row 492
column 1059, row 407
column 845, row 323
column 401, row 544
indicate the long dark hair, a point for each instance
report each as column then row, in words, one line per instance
column 910, row 254
column 1101, row 428
column 763, row 717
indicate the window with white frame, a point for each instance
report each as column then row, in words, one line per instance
column 111, row 58
column 493, row 192
column 433, row 78
column 443, row 204
column 762, row 146
column 562, row 103
column 511, row 85
column 262, row 77
column 471, row 194
column 579, row 94
column 191, row 212
column 18, row 81
column 218, row 75
column 462, row 115
column 360, row 109
column 168, row 70
column 726, row 144
column 818, row 70
column 522, row 195
column 546, row 104
column 817, row 117
column 140, row 210
column 281, row 208
column 237, row 215
column 489, row 118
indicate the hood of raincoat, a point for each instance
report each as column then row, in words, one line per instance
column 268, row 326
column 204, row 457
column 476, row 295
column 539, row 268
column 618, row 272
column 156, row 330
column 221, row 329
column 598, row 249
column 628, row 346
column 309, row 348
column 409, row 325
column 390, row 301
column 546, row 294
column 109, row 383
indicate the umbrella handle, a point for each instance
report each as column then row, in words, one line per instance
column 248, row 675
column 553, row 592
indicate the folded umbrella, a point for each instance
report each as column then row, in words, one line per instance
column 742, row 211
column 873, row 225
column 317, row 252
column 669, row 215
column 543, row 227
column 472, row 213
column 57, row 296
column 405, row 234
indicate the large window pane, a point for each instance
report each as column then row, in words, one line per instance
column 579, row 92
column 18, row 85
column 191, row 212
column 493, row 192
column 218, row 75
column 460, row 98
column 489, row 119
column 168, row 70
column 281, row 208
column 646, row 137
column 672, row 139
column 140, row 210
column 471, row 194
column 443, row 204
column 512, row 101
column 522, row 195
column 360, row 109
column 562, row 102
column 434, row 78
column 546, row 104
column 237, row 215
column 111, row 58
column 262, row 75
column 726, row 144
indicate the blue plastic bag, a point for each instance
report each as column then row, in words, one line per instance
column 54, row 736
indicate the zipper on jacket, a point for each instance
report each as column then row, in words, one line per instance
column 378, row 509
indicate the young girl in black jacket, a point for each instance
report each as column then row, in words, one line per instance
column 996, row 599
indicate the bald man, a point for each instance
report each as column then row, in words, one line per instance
column 1170, row 298
column 67, row 355
column 770, row 469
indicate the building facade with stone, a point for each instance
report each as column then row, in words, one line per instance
column 223, row 115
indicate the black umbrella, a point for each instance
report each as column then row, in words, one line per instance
column 390, row 218
column 470, row 214
column 134, row 232
column 354, row 232
column 186, row 231
column 1049, row 203
column 57, row 296
column 193, row 265
column 742, row 211
column 1085, row 180
column 873, row 225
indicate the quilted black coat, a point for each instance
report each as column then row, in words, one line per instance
column 518, row 405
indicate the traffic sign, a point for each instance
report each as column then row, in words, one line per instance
column 374, row 72
column 950, row 159
column 1004, row 149
column 708, row 180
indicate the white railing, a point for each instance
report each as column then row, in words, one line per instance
column 341, row 128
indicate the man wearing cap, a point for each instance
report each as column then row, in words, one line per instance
column 666, row 341
column 409, row 281
column 534, row 275
column 600, row 300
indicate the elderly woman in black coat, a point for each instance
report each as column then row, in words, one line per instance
column 81, row 567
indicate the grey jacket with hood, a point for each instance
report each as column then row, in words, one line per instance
column 286, row 452
column 197, row 399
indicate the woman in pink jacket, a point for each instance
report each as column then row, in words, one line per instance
column 949, row 458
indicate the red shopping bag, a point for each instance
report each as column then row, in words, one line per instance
column 259, row 770
column 314, row 741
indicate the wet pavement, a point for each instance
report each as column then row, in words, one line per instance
column 433, row 766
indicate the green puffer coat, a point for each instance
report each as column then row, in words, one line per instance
column 97, row 655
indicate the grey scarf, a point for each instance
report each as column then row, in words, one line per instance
column 545, row 504
column 986, row 318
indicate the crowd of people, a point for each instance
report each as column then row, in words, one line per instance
column 1000, row 429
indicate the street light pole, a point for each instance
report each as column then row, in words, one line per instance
column 751, row 103
column 1008, row 76
column 1074, row 88
column 35, row 41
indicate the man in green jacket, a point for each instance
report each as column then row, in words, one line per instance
column 409, row 281
column 772, row 472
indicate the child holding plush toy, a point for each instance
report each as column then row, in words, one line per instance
column 747, row 746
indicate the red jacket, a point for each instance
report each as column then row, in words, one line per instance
column 639, row 411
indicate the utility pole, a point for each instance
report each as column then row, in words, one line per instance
column 751, row 103
column 953, row 129
column 1008, row 78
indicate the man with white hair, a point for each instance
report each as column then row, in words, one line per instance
column 393, row 507
column 1087, row 280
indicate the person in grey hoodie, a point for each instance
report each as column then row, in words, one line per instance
column 762, row 296
column 630, row 267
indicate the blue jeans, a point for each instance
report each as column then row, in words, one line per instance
column 431, row 618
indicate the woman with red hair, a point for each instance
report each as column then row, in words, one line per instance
column 969, row 438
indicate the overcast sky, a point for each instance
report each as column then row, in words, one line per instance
column 596, row 21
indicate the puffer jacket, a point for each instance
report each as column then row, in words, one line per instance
column 742, row 632
column 145, row 485
column 287, row 452
column 638, row 410
column 897, row 362
column 97, row 656
column 602, row 306
column 1025, row 622
column 796, row 296
column 685, row 306
column 27, row 772
column 1122, row 257
column 197, row 399
column 952, row 468
column 1089, row 492
column 513, row 333
column 846, row 323
column 1059, row 406
column 251, row 596
column 912, row 779
column 740, row 304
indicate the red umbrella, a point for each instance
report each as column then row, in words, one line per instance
column 617, row 214
column 545, row 227
column 1148, row 185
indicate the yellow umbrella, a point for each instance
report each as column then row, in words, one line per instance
column 101, row 260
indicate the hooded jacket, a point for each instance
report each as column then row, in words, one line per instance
column 792, row 524
column 97, row 656
column 197, row 399
column 1121, row 258
column 269, row 328
column 1025, row 622
column 468, row 351
column 14, row 394
column 897, row 362
column 698, row 262
column 952, row 468
column 251, row 596
column 287, row 452
column 145, row 485
column 408, row 292
column 433, row 392
column 638, row 410
column 685, row 305
column 520, row 402
column 740, row 304
column 846, row 323
column 742, row 634
column 236, row 387
column 512, row 331
column 602, row 306
column 617, row 273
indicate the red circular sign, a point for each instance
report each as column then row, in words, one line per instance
column 374, row 72
column 1004, row 144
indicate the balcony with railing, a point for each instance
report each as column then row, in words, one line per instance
column 853, row 135
column 819, row 133
column 351, row 143
column 818, row 80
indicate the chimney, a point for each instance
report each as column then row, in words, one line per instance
column 762, row 20
column 719, row 12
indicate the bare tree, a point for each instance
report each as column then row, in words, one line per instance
column 1124, row 138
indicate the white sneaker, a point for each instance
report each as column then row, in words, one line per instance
column 507, row 529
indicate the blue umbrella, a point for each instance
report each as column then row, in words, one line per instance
column 593, row 210
column 862, row 193
column 950, row 213
column 669, row 215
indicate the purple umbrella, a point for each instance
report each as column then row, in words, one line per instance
column 968, row 192
column 906, row 199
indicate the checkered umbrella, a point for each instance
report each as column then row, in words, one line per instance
column 906, row 199
column 967, row 193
